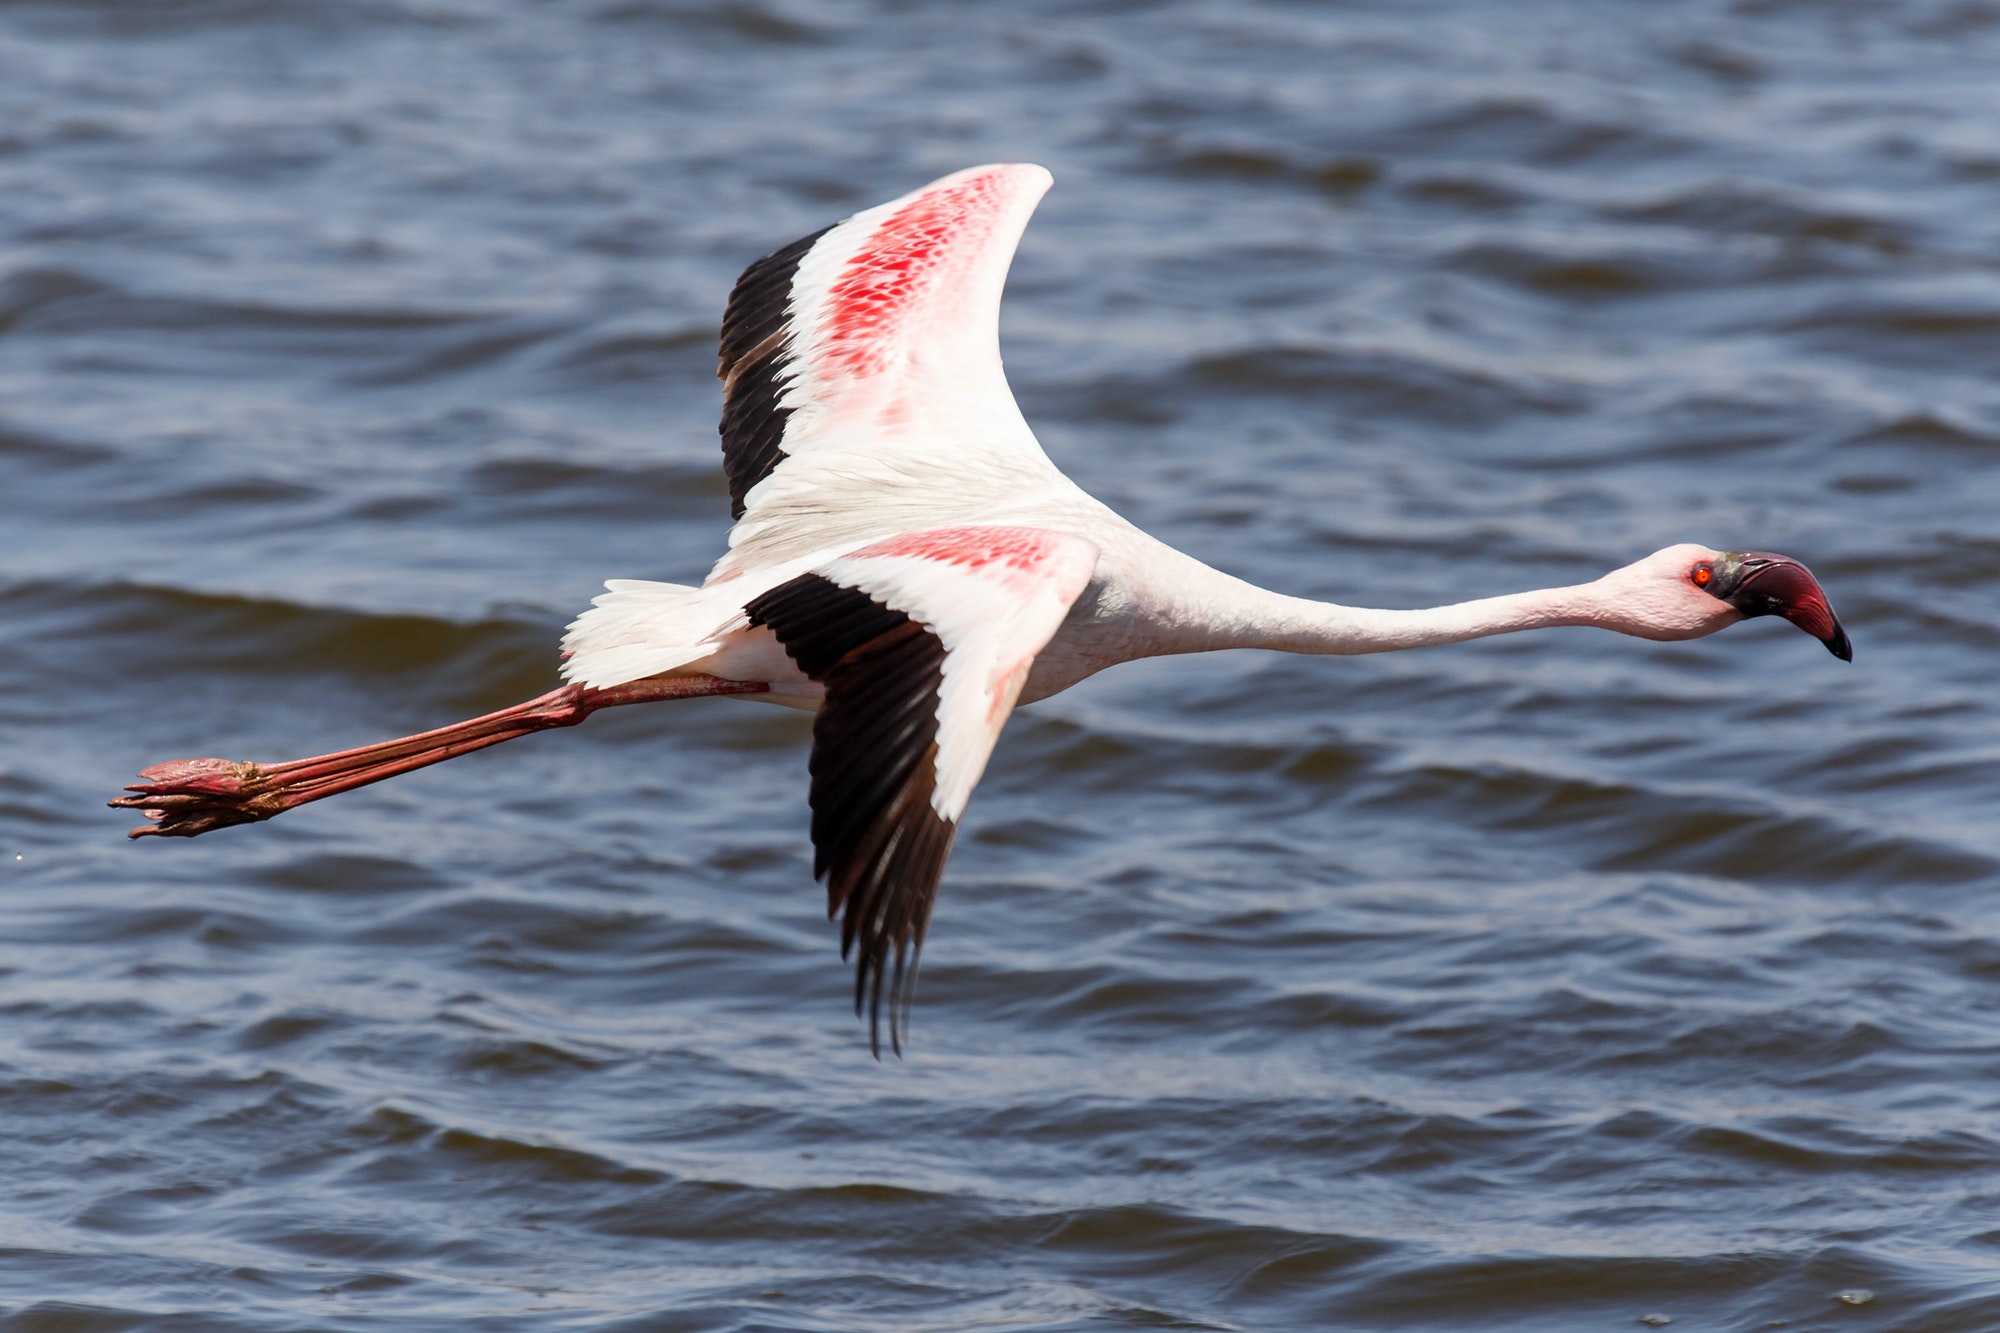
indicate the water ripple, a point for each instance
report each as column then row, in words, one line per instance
column 1557, row 982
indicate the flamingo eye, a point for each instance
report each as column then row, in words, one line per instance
column 1702, row 574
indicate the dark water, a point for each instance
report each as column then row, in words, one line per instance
column 1542, row 984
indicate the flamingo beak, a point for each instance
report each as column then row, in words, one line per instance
column 1758, row 583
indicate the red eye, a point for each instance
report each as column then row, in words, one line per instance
column 1702, row 574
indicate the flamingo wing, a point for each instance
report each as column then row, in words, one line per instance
column 867, row 357
column 922, row 642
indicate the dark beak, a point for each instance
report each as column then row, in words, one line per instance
column 1757, row 583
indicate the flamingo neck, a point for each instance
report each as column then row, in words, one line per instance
column 1246, row 616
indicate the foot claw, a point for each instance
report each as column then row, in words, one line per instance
column 186, row 797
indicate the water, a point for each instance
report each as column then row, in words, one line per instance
column 1549, row 983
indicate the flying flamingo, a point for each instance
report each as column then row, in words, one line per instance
column 908, row 563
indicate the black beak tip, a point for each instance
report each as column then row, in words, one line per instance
column 1839, row 646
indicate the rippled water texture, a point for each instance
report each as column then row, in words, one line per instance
column 1543, row 984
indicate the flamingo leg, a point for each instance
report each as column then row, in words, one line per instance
column 186, row 797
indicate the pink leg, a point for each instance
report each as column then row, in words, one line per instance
column 185, row 797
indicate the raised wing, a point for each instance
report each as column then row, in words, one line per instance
column 880, row 334
column 922, row 642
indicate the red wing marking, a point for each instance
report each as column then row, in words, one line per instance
column 973, row 548
column 892, row 268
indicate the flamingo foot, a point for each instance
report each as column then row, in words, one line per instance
column 184, row 797
column 187, row 797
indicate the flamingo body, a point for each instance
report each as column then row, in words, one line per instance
column 908, row 563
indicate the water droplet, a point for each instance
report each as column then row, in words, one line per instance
column 1854, row 1296
column 1656, row 1320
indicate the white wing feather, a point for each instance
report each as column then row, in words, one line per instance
column 994, row 596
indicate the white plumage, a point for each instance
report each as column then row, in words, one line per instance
column 909, row 563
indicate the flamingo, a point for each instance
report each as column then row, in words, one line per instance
column 907, row 563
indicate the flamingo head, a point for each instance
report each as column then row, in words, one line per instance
column 1688, row 591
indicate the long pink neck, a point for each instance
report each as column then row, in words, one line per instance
column 1235, row 614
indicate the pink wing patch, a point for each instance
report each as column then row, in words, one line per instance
column 879, row 339
column 1021, row 549
column 890, row 273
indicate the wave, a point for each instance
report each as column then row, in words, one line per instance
column 1939, row 427
column 140, row 20
column 1726, row 207
column 1582, row 272
column 1374, row 382
column 31, row 450
column 1736, row 833
column 1342, row 176
column 182, row 631
column 1727, row 834
column 746, row 20
column 1937, row 327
